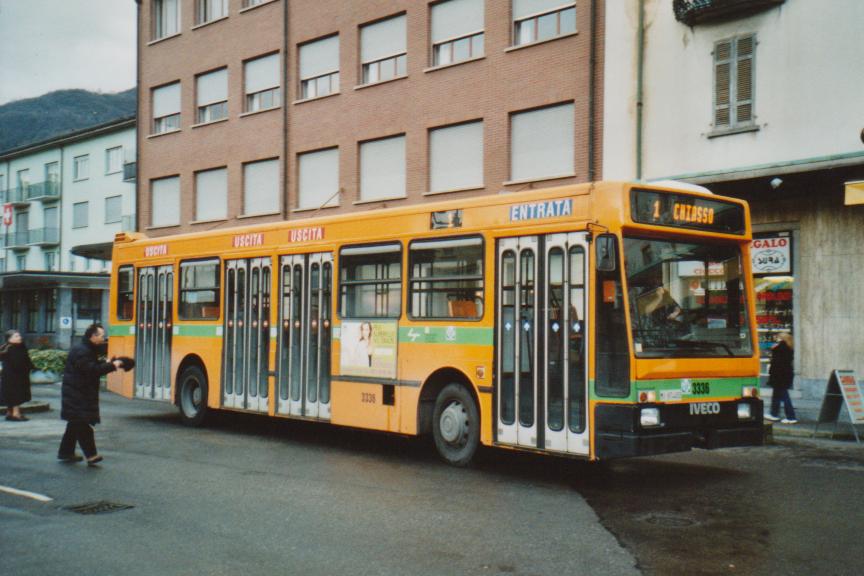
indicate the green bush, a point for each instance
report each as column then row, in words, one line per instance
column 49, row 360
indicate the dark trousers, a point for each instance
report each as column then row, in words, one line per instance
column 80, row 433
column 778, row 396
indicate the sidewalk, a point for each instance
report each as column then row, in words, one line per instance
column 806, row 429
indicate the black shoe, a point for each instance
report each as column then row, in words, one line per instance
column 70, row 459
column 94, row 460
column 17, row 418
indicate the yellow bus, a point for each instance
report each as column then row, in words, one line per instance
column 598, row 321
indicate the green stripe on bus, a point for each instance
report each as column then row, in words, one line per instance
column 128, row 330
column 686, row 386
column 446, row 335
column 197, row 331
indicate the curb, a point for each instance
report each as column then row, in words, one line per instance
column 31, row 407
column 806, row 430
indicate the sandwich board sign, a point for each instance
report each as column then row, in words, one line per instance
column 843, row 388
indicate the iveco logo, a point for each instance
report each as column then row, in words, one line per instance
column 699, row 408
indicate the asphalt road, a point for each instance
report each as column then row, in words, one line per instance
column 248, row 495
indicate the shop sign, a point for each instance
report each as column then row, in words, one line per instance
column 772, row 254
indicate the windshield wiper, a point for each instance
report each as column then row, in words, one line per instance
column 703, row 345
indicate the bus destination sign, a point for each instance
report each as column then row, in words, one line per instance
column 686, row 211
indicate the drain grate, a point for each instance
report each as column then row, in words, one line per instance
column 669, row 521
column 101, row 507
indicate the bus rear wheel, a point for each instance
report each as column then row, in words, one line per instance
column 456, row 425
column 192, row 390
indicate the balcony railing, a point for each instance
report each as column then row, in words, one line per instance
column 692, row 12
column 129, row 171
column 17, row 195
column 18, row 240
column 44, row 236
column 44, row 191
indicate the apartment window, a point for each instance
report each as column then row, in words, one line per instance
column 113, row 160
column 52, row 173
column 446, row 278
column 211, row 194
column 371, row 281
column 542, row 143
column 2, row 183
column 383, row 51
column 538, row 20
column 319, row 67
column 21, row 262
column 81, row 167
column 125, row 288
column 211, row 92
column 165, row 199
column 51, row 309
column 50, row 260
column 166, row 108
column 318, row 178
column 262, row 83
column 2, row 269
column 209, row 10
column 382, row 168
column 80, row 214
column 261, row 187
column 113, row 209
column 51, row 217
column 456, row 157
column 22, row 178
column 457, row 31
column 250, row 3
column 733, row 82
column 199, row 290
column 33, row 311
column 166, row 18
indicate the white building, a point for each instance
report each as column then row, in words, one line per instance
column 761, row 100
column 63, row 201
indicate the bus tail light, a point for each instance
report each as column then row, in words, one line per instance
column 744, row 411
column 750, row 392
column 649, row 417
column 647, row 396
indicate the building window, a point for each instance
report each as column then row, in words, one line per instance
column 538, row 20
column 125, row 292
column 80, row 214
column 33, row 305
column 371, row 281
column 81, row 167
column 456, row 157
column 250, row 3
column 17, row 305
column 52, row 172
column 165, row 198
column 318, row 177
column 113, row 209
column 542, row 143
column 382, row 168
column 113, row 160
column 50, row 260
column 87, row 306
column 211, row 194
column 51, row 310
column 23, row 179
column 199, row 290
column 446, row 278
column 261, row 187
column 209, row 10
column 166, row 108
column 383, row 50
column 2, row 269
column 733, row 82
column 166, row 18
column 457, row 31
column 211, row 93
column 319, row 67
column 2, row 183
column 262, row 83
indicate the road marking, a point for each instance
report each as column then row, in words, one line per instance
column 25, row 494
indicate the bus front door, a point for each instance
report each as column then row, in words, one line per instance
column 541, row 373
column 305, row 288
column 153, row 332
column 246, row 334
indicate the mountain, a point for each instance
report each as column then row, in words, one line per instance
column 32, row 120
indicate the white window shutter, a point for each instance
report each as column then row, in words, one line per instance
column 383, row 39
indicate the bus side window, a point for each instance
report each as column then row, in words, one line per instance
column 611, row 349
column 370, row 281
column 125, row 300
column 199, row 290
column 446, row 278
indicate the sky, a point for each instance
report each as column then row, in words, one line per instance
column 48, row 45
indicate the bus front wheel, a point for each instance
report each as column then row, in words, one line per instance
column 193, row 396
column 456, row 425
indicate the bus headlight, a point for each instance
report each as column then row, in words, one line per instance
column 649, row 417
column 744, row 411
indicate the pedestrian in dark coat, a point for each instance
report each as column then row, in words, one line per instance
column 780, row 376
column 81, row 395
column 15, row 379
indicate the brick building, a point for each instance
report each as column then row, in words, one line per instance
column 253, row 111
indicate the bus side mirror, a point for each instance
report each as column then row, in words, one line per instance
column 605, row 246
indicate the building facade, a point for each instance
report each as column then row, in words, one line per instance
column 254, row 111
column 759, row 100
column 63, row 201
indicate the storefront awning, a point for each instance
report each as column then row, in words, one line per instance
column 854, row 193
column 100, row 251
column 25, row 280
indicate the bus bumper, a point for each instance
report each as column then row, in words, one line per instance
column 621, row 435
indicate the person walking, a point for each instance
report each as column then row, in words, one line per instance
column 780, row 376
column 15, row 379
column 81, row 395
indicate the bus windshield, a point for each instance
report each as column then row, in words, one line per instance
column 687, row 299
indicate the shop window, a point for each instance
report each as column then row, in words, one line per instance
column 773, row 280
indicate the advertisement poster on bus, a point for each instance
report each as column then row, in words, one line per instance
column 368, row 348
